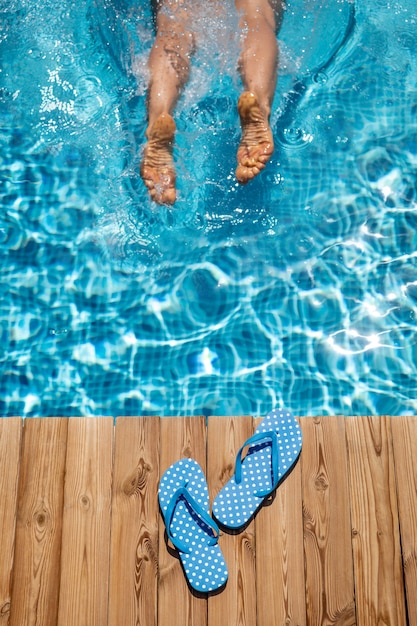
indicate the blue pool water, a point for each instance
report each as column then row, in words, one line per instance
column 299, row 290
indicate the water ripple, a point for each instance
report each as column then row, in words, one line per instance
column 299, row 289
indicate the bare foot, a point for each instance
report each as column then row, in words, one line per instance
column 256, row 145
column 157, row 168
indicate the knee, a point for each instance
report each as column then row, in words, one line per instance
column 256, row 15
column 175, row 34
column 178, row 46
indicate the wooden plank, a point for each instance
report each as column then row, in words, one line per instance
column 39, row 523
column 180, row 437
column 404, row 434
column 327, row 530
column 376, row 542
column 83, row 600
column 280, row 578
column 135, row 518
column 236, row 604
column 10, row 443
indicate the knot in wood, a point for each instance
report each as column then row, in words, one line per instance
column 187, row 451
column 137, row 480
column 147, row 551
column 5, row 608
column 41, row 519
column 247, row 545
column 85, row 501
column 321, row 483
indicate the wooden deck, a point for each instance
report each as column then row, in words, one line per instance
column 82, row 540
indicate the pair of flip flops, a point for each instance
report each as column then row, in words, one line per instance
column 184, row 499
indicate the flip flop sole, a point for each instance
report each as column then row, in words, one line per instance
column 237, row 502
column 203, row 561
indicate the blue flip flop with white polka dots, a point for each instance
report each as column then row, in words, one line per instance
column 184, row 501
column 272, row 452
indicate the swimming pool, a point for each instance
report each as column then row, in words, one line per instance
column 299, row 290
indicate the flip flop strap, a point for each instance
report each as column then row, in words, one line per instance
column 266, row 436
column 183, row 493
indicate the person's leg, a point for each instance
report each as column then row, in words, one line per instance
column 259, row 21
column 169, row 65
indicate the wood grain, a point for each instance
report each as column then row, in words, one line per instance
column 39, row 523
column 327, row 531
column 135, row 517
column 237, row 603
column 58, row 506
column 180, row 437
column 280, row 578
column 83, row 599
column 404, row 434
column 10, row 443
column 376, row 541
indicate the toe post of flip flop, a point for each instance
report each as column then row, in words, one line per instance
column 184, row 501
column 270, row 454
